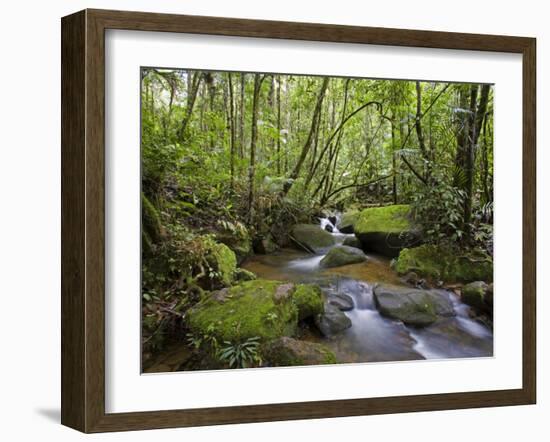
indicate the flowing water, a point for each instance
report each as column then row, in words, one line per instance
column 373, row 337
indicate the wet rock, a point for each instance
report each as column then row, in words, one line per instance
column 285, row 351
column 332, row 321
column 329, row 228
column 478, row 295
column 352, row 241
column 311, row 237
column 333, row 219
column 342, row 301
column 342, row 255
column 440, row 263
column 412, row 306
column 386, row 230
column 347, row 221
column 264, row 245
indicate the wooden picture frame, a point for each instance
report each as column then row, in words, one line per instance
column 83, row 217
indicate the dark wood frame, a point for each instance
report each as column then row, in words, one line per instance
column 83, row 215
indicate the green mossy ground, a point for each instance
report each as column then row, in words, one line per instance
column 439, row 263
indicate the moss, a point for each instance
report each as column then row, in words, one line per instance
column 309, row 300
column 247, row 310
column 244, row 275
column 150, row 219
column 435, row 262
column 389, row 219
column 237, row 240
column 224, row 263
column 287, row 352
column 474, row 294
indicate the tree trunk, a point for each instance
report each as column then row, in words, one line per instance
column 232, row 130
column 194, row 82
column 253, row 140
column 307, row 145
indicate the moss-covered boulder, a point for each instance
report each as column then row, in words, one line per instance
column 414, row 307
column 259, row 308
column 386, row 230
column 241, row 275
column 311, row 237
column 237, row 238
column 478, row 295
column 342, row 255
column 152, row 230
column 285, row 352
column 439, row 263
column 309, row 301
column 222, row 264
column 347, row 221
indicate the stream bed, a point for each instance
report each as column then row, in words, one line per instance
column 373, row 337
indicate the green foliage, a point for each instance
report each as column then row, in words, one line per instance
column 242, row 354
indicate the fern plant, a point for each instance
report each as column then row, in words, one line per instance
column 241, row 355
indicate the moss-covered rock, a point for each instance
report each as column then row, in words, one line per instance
column 237, row 239
column 152, row 230
column 475, row 294
column 342, row 255
column 311, row 237
column 386, row 230
column 259, row 308
column 285, row 352
column 223, row 264
column 435, row 262
column 309, row 300
column 414, row 307
column 241, row 275
column 348, row 220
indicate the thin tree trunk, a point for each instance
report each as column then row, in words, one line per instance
column 307, row 145
column 253, row 140
column 194, row 84
column 279, row 126
column 232, row 130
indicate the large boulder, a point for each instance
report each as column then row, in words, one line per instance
column 259, row 308
column 285, row 351
column 311, row 237
column 309, row 301
column 386, row 230
column 412, row 306
column 439, row 263
column 347, row 221
column 479, row 295
column 342, row 255
column 332, row 321
column 352, row 241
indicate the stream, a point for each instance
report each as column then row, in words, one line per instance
column 373, row 337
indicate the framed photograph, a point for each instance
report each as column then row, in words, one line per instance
column 266, row 220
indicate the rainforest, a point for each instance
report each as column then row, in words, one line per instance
column 294, row 220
